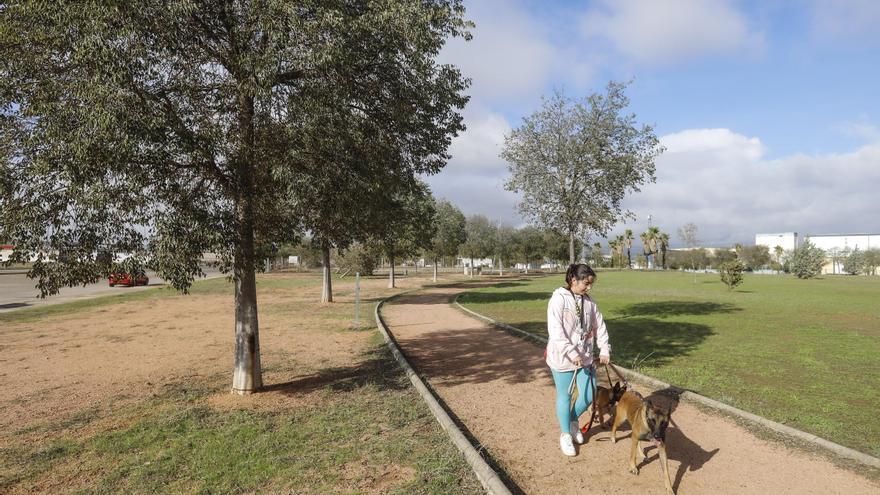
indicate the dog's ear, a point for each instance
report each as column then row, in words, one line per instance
column 649, row 404
column 616, row 388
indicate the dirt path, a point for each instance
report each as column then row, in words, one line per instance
column 500, row 389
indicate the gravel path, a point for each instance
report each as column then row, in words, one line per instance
column 498, row 386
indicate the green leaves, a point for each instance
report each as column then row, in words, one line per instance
column 575, row 160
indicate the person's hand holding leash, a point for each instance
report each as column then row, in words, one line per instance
column 604, row 359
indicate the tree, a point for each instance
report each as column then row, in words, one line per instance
column 479, row 239
column 403, row 222
column 360, row 257
column 722, row 256
column 650, row 240
column 557, row 245
column 575, row 160
column 613, row 247
column 529, row 245
column 855, row 263
column 504, row 246
column 753, row 257
column 872, row 261
column 807, row 260
column 451, row 234
column 732, row 273
column 596, row 255
column 204, row 109
column 628, row 237
column 688, row 235
column 663, row 240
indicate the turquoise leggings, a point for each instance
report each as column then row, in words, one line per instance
column 564, row 410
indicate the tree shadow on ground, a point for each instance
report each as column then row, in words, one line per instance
column 666, row 309
column 497, row 297
column 380, row 369
column 474, row 355
column 653, row 342
column 14, row 305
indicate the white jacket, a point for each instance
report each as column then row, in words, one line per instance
column 566, row 341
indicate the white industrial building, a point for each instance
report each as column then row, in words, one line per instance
column 787, row 240
column 827, row 242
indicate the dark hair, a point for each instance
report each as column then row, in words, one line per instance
column 578, row 271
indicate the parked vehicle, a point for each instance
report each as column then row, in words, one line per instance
column 126, row 279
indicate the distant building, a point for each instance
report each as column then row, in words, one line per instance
column 844, row 241
column 5, row 251
column 830, row 243
column 787, row 240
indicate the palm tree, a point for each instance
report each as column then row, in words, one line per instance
column 621, row 242
column 664, row 245
column 612, row 247
column 629, row 242
column 650, row 240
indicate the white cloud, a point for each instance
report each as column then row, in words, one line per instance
column 722, row 182
column 658, row 32
column 861, row 129
column 477, row 149
column 846, row 19
column 512, row 55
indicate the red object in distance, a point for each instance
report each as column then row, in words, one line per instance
column 127, row 280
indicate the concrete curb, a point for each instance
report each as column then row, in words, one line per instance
column 487, row 476
column 838, row 449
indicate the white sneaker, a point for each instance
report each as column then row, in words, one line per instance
column 566, row 445
column 576, row 433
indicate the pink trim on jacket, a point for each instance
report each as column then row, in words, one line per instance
column 564, row 343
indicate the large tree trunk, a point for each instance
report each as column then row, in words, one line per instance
column 391, row 272
column 327, row 291
column 247, row 376
column 629, row 260
column 500, row 267
column 472, row 268
column 435, row 270
column 571, row 248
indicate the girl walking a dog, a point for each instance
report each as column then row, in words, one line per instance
column 572, row 321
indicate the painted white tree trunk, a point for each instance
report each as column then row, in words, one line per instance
column 435, row 271
column 247, row 376
column 327, row 290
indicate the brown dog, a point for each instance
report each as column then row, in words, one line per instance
column 648, row 423
column 604, row 404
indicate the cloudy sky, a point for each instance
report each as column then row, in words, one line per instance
column 769, row 109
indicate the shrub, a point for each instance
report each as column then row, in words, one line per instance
column 855, row 262
column 732, row 273
column 359, row 258
column 807, row 260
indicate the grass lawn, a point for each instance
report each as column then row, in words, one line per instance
column 801, row 352
column 321, row 427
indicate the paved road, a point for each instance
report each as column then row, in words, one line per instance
column 17, row 291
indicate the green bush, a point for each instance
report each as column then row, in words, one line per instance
column 855, row 262
column 359, row 258
column 732, row 273
column 807, row 260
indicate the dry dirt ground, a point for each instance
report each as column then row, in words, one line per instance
column 500, row 389
column 95, row 362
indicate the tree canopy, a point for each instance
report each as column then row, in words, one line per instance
column 807, row 260
column 574, row 160
column 180, row 127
